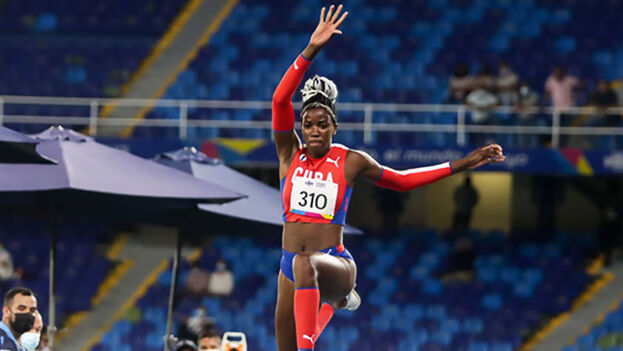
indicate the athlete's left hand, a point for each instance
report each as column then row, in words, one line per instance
column 481, row 156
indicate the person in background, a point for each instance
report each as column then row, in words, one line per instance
column 609, row 234
column 484, row 79
column 195, row 324
column 465, row 198
column 221, row 281
column 18, row 317
column 209, row 340
column 31, row 339
column 44, row 341
column 560, row 88
column 603, row 98
column 526, row 100
column 7, row 272
column 460, row 84
column 482, row 101
column 197, row 280
column 506, row 84
column 185, row 345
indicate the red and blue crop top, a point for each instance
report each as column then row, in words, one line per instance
column 315, row 190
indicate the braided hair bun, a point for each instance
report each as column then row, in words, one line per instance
column 320, row 92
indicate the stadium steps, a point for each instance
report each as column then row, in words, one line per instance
column 147, row 249
column 168, row 58
column 577, row 322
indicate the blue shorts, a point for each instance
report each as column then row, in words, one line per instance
column 287, row 257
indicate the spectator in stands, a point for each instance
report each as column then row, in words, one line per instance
column 44, row 341
column 603, row 98
column 485, row 80
column 560, row 88
column 197, row 280
column 18, row 317
column 526, row 100
column 209, row 340
column 465, row 198
column 196, row 324
column 609, row 235
column 461, row 84
column 221, row 281
column 482, row 101
column 185, row 345
column 31, row 339
column 7, row 273
column 506, row 84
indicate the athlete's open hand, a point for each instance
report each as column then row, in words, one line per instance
column 481, row 156
column 327, row 26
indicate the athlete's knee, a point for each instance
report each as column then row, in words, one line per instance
column 305, row 274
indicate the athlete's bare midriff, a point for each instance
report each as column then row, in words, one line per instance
column 299, row 236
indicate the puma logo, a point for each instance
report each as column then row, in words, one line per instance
column 334, row 161
column 310, row 338
column 296, row 67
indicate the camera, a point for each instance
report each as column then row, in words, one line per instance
column 234, row 341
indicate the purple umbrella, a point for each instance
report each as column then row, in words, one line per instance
column 90, row 175
column 87, row 166
column 19, row 148
column 262, row 204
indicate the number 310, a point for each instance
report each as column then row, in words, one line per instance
column 318, row 201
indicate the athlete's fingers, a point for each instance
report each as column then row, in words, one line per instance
column 322, row 14
column 336, row 14
column 329, row 14
column 337, row 31
column 337, row 24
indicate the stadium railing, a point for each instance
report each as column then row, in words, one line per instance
column 461, row 127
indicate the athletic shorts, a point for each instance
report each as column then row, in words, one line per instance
column 287, row 258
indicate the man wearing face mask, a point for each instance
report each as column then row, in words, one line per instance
column 30, row 339
column 18, row 317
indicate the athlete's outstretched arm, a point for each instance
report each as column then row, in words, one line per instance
column 412, row 178
column 283, row 113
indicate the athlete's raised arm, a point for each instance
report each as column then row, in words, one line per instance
column 367, row 168
column 286, row 139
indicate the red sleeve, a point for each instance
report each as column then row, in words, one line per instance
column 413, row 178
column 283, row 112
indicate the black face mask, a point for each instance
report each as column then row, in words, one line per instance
column 23, row 322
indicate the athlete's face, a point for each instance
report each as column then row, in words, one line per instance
column 318, row 130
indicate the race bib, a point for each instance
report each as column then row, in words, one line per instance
column 313, row 197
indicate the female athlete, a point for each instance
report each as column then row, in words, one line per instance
column 317, row 178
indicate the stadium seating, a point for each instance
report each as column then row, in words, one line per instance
column 405, row 304
column 84, row 49
column 605, row 336
column 397, row 51
column 27, row 239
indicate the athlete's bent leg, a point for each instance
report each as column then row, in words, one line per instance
column 315, row 275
